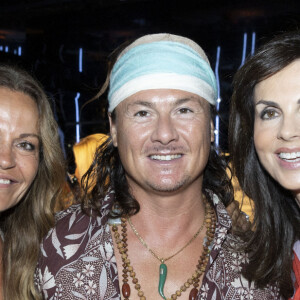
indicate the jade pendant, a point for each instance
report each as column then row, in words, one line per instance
column 162, row 279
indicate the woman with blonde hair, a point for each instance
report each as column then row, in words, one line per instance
column 31, row 175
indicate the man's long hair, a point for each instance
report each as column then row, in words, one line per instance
column 107, row 172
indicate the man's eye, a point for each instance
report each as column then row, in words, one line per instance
column 142, row 113
column 185, row 110
column 268, row 114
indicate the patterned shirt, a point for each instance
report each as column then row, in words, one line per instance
column 78, row 262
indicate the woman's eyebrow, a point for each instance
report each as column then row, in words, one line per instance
column 25, row 135
column 267, row 102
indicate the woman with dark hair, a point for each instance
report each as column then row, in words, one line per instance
column 264, row 143
column 31, row 175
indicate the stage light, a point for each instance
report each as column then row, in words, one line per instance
column 77, row 117
column 80, row 60
column 244, row 48
column 253, row 43
column 217, row 121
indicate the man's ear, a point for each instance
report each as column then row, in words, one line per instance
column 212, row 131
column 113, row 130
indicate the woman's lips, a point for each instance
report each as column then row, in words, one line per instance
column 289, row 156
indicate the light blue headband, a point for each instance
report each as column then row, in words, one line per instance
column 161, row 65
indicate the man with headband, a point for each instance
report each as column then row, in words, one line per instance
column 155, row 224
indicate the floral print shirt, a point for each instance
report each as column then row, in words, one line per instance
column 77, row 260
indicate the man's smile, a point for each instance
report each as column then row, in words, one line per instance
column 165, row 157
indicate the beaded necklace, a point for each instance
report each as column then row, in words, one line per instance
column 122, row 245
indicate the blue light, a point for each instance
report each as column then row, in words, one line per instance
column 6, row 49
column 217, row 74
column 15, row 51
column 217, row 121
column 20, row 51
column 253, row 43
column 244, row 49
column 216, row 132
column 77, row 117
column 80, row 60
column 1, row 48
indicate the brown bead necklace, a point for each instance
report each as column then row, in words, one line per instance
column 122, row 245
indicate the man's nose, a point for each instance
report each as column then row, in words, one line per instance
column 165, row 130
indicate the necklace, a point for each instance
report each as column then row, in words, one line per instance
column 163, row 260
column 122, row 245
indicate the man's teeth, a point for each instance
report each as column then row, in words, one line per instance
column 290, row 155
column 165, row 157
column 4, row 181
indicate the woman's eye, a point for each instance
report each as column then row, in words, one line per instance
column 26, row 146
column 269, row 114
column 142, row 113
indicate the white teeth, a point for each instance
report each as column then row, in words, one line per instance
column 289, row 155
column 165, row 157
column 4, row 181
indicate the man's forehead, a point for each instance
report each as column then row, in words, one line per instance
column 153, row 98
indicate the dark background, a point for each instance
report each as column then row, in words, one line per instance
column 45, row 38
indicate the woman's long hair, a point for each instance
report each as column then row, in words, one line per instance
column 25, row 224
column 276, row 220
